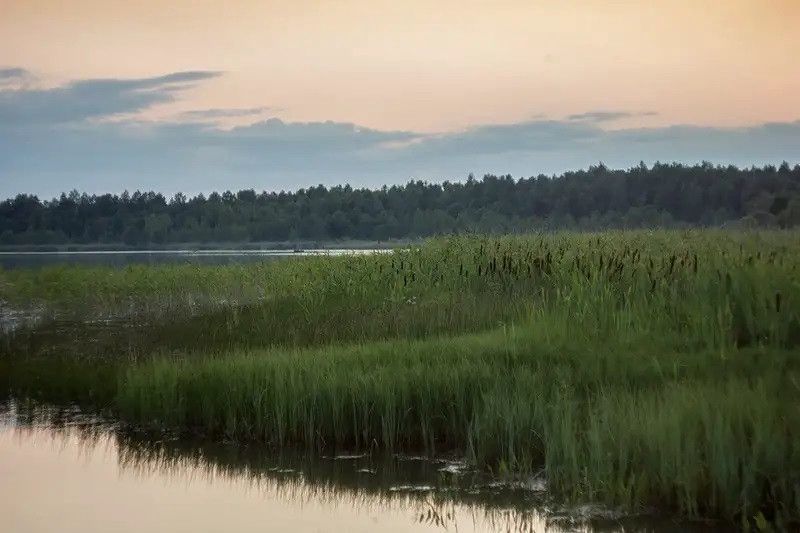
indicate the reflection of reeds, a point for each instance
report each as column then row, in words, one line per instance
column 640, row 368
column 298, row 479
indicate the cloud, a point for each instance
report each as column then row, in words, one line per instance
column 215, row 114
column 54, row 144
column 276, row 155
column 12, row 78
column 534, row 136
column 13, row 72
column 609, row 116
column 313, row 136
column 93, row 98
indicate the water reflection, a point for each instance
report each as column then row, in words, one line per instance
column 62, row 469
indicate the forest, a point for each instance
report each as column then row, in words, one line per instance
column 658, row 196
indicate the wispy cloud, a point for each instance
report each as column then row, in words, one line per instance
column 609, row 116
column 14, row 78
column 533, row 135
column 92, row 98
column 215, row 114
column 13, row 72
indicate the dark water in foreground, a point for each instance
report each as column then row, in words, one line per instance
column 63, row 471
column 126, row 257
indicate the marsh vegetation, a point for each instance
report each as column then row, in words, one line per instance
column 640, row 369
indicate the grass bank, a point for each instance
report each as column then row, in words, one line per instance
column 635, row 424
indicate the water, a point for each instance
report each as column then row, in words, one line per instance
column 62, row 470
column 10, row 260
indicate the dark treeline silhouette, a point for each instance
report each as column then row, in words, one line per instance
column 665, row 195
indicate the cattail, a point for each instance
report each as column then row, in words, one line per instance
column 778, row 302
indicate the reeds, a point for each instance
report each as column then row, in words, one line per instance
column 646, row 368
column 610, row 422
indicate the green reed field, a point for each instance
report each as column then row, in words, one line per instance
column 636, row 368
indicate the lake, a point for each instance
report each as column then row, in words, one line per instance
column 125, row 257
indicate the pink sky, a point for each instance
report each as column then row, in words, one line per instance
column 432, row 66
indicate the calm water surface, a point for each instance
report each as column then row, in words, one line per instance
column 127, row 257
column 64, row 471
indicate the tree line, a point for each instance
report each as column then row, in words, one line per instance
column 663, row 195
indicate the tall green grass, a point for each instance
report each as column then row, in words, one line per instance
column 645, row 368
column 454, row 285
column 636, row 427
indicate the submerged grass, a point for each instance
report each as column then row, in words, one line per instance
column 646, row 368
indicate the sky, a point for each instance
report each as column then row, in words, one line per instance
column 202, row 95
